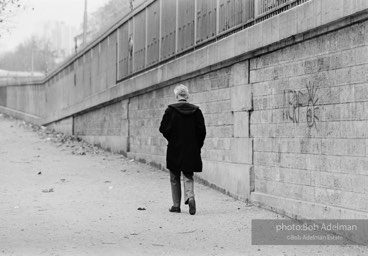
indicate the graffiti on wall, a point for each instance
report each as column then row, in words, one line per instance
column 294, row 100
column 292, row 105
column 312, row 105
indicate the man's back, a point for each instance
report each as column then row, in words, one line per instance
column 183, row 127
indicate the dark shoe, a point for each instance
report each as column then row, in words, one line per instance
column 192, row 206
column 174, row 209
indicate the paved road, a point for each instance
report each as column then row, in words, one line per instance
column 87, row 205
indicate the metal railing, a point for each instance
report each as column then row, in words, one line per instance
column 168, row 28
column 158, row 31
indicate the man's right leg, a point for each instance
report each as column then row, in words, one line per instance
column 189, row 191
column 175, row 190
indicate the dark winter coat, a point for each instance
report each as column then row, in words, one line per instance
column 184, row 128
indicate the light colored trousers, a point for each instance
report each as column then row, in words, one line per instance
column 176, row 187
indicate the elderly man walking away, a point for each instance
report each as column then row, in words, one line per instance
column 184, row 128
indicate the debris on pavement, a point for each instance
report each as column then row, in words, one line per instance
column 79, row 151
column 141, row 209
column 78, row 146
column 187, row 232
column 39, row 173
column 48, row 190
column 108, row 243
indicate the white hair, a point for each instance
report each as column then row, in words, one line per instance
column 181, row 92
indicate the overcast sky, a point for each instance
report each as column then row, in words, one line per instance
column 39, row 12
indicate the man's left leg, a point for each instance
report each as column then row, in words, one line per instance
column 175, row 191
column 189, row 191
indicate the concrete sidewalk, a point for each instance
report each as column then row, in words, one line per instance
column 54, row 202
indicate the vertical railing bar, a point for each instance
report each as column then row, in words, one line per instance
column 132, row 36
column 146, row 41
column 160, row 31
column 176, row 25
column 117, row 55
column 195, row 22
column 217, row 16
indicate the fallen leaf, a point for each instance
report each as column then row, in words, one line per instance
column 187, row 232
column 48, row 190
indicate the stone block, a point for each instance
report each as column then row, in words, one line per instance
column 304, row 210
column 288, row 24
column 234, row 179
column 286, row 190
column 353, row 6
column 339, row 181
column 328, row 196
column 361, row 55
column 347, row 147
column 240, row 42
column 317, row 6
column 359, row 74
column 306, row 17
column 242, row 150
column 255, row 37
column 239, row 74
column 225, row 131
column 212, row 54
column 287, row 175
column 332, row 10
column 225, row 48
column 270, row 30
column 241, row 124
column 241, row 98
column 356, row 201
column 353, row 165
column 201, row 59
column 263, row 144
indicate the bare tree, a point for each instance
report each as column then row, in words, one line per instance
column 106, row 15
column 8, row 10
column 34, row 54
